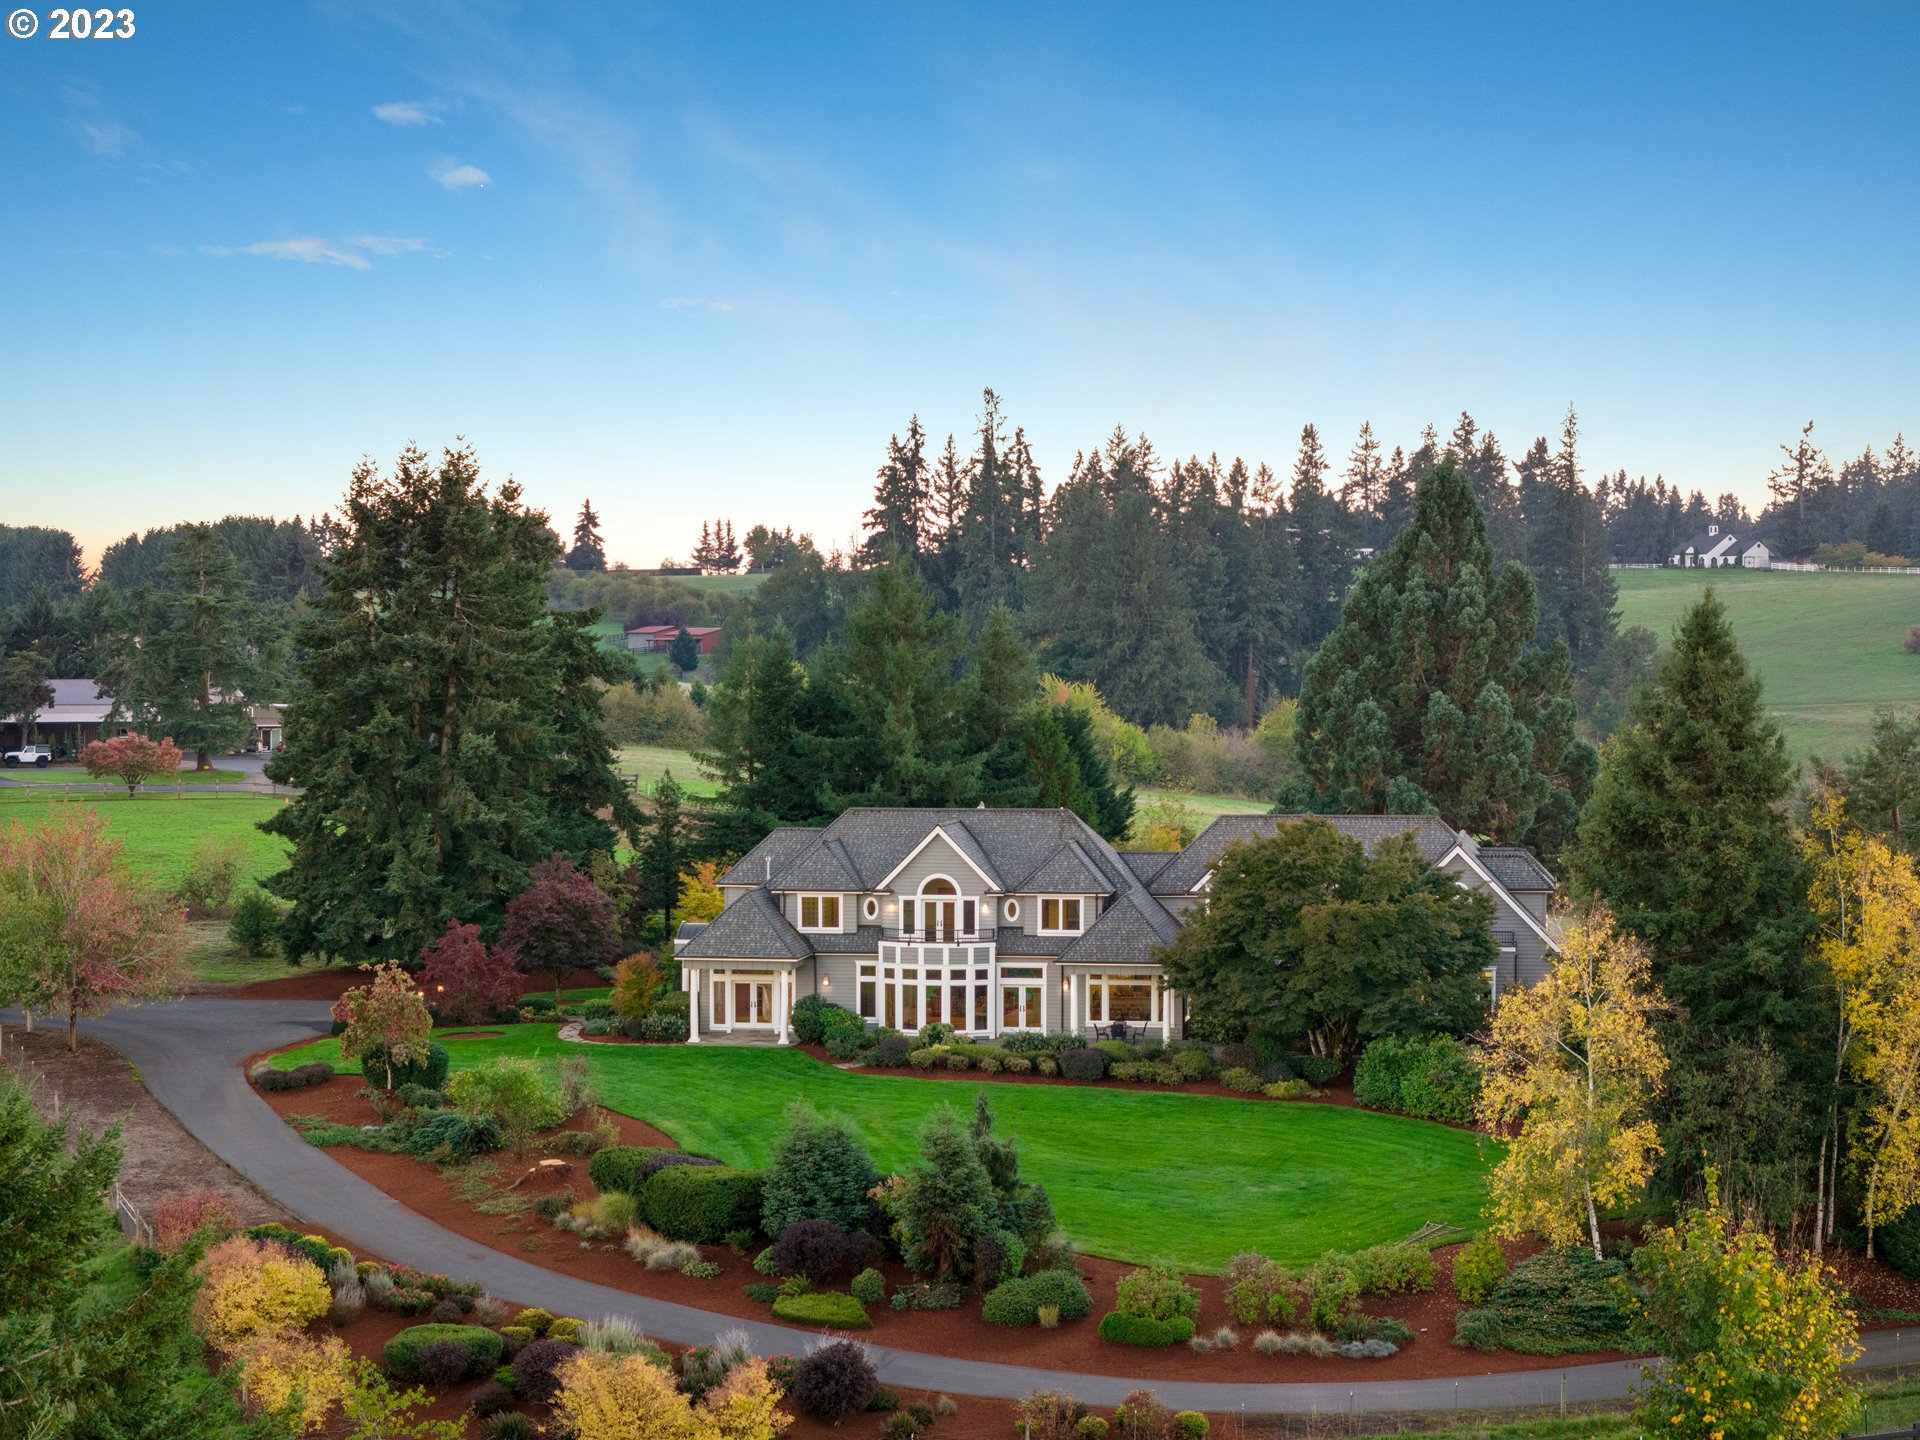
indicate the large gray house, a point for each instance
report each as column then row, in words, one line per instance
column 997, row 921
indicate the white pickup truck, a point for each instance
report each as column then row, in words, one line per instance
column 40, row 756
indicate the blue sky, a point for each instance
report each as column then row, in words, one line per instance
column 700, row 260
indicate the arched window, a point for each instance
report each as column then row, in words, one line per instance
column 942, row 914
column 939, row 885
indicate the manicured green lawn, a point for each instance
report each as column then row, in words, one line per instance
column 645, row 764
column 1136, row 1175
column 74, row 775
column 158, row 832
column 1828, row 646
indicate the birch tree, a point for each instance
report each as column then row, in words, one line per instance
column 1571, row 1071
column 1868, row 896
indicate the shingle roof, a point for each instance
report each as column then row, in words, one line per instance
column 1145, row 864
column 770, row 856
column 1012, row 940
column 1432, row 834
column 751, row 928
column 864, row 941
column 824, row 865
column 1517, row 869
column 1006, row 844
column 1127, row 933
column 1703, row 542
column 1068, row 871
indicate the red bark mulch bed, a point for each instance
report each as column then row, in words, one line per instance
column 1074, row 1346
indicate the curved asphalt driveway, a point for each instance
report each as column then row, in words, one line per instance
column 187, row 1054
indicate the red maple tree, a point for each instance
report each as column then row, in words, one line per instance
column 465, row 980
column 561, row 922
column 133, row 758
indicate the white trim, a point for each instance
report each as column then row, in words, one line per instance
column 1512, row 904
column 870, row 907
column 987, row 880
column 800, row 898
column 1013, row 909
column 1040, row 915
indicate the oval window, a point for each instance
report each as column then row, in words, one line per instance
column 871, row 908
column 1013, row 909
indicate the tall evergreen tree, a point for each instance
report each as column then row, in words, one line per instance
column 894, row 673
column 1426, row 695
column 998, row 706
column 897, row 523
column 435, row 728
column 1320, row 543
column 1882, row 782
column 1798, row 487
column 588, row 552
column 195, row 669
column 1568, row 554
column 757, row 750
column 666, row 851
column 580, row 784
column 1363, row 490
column 1686, row 838
column 990, row 522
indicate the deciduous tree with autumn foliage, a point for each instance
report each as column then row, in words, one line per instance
column 387, row 1023
column 132, row 759
column 465, row 979
column 1571, row 1072
column 79, row 933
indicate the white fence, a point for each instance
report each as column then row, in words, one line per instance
column 1801, row 566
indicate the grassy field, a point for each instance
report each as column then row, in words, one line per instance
column 158, row 832
column 1290, row 1180
column 74, row 775
column 1829, row 646
column 645, row 764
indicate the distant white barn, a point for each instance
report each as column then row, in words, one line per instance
column 1715, row 548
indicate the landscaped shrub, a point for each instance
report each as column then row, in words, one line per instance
column 1046, row 1064
column 508, row 1425
column 1156, row 1292
column 616, row 1212
column 183, row 1214
column 1559, row 1302
column 1391, row 1269
column 1141, row 1416
column 535, row 1367
column 869, row 1287
column 1190, row 1425
column 839, row 1023
column 1091, row 1427
column 615, row 1167
column 821, row 1250
column 534, row 1320
column 1053, row 1415
column 1193, row 1064
column 702, row 1203
column 936, row 1295
column 1478, row 1268
column 827, row 1308
column 489, row 1399
column 1295, row 1089
column 1260, row 1291
column 819, row 1171
column 1241, row 1080
column 1018, row 1301
column 430, row 1072
column 465, row 979
column 522, row 1096
column 206, row 890
column 927, row 1057
column 462, row 1135
column 809, row 1025
column 936, row 1032
column 891, row 1051
column 255, row 927
column 834, row 1381
column 419, row 1097
column 1123, row 1329
column 1317, row 1068
column 249, row 1288
column 1083, row 1062
column 1433, row 1078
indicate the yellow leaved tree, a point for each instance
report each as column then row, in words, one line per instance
column 1570, row 1073
column 1868, row 897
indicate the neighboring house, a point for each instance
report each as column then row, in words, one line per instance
column 1715, row 548
column 77, row 717
column 269, row 726
column 658, row 639
column 1000, row 921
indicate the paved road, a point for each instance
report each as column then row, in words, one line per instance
column 187, row 1054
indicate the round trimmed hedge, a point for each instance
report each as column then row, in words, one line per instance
column 703, row 1203
column 1018, row 1302
column 404, row 1350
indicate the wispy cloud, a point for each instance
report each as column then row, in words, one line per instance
column 92, row 125
column 693, row 302
column 405, row 112
column 351, row 252
column 455, row 176
column 387, row 244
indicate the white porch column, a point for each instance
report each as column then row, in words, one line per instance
column 1072, row 1022
column 782, row 1002
column 693, row 1004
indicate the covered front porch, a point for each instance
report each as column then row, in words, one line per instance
column 1098, row 998
column 744, row 1001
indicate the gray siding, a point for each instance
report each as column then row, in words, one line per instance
column 939, row 858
